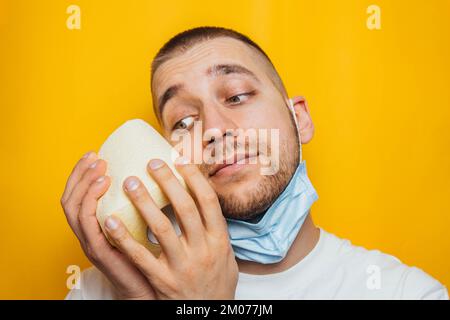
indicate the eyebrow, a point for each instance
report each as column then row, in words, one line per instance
column 167, row 95
column 225, row 69
column 213, row 71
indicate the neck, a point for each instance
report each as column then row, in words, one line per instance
column 305, row 241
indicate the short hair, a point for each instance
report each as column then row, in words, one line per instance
column 187, row 39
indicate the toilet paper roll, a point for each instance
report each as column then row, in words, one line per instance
column 127, row 152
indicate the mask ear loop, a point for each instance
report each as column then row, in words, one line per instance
column 291, row 108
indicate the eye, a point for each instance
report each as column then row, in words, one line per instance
column 239, row 98
column 184, row 124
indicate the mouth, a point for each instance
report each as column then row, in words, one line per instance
column 231, row 165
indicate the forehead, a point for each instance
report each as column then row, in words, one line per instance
column 194, row 62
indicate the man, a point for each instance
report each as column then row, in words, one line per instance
column 245, row 235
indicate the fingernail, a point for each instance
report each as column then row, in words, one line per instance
column 87, row 155
column 155, row 164
column 111, row 223
column 181, row 161
column 101, row 179
column 131, row 184
column 93, row 164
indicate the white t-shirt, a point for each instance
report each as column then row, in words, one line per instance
column 334, row 269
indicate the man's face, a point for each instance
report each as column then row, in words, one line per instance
column 227, row 85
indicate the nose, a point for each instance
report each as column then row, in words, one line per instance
column 217, row 124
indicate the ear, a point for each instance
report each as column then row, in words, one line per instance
column 304, row 120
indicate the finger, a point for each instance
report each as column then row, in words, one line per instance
column 72, row 204
column 112, row 262
column 77, row 173
column 184, row 206
column 137, row 253
column 87, row 219
column 157, row 221
column 94, row 171
column 205, row 195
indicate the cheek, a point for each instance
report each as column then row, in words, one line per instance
column 266, row 113
column 252, row 121
column 274, row 121
column 190, row 148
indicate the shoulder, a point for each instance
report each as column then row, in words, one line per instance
column 92, row 285
column 420, row 285
column 380, row 275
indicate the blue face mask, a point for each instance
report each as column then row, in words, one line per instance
column 269, row 240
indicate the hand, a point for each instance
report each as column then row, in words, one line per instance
column 198, row 264
column 84, row 187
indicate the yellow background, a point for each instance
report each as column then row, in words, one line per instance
column 380, row 159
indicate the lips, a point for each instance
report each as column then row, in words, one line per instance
column 236, row 159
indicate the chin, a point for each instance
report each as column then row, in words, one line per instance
column 237, row 190
column 236, row 195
